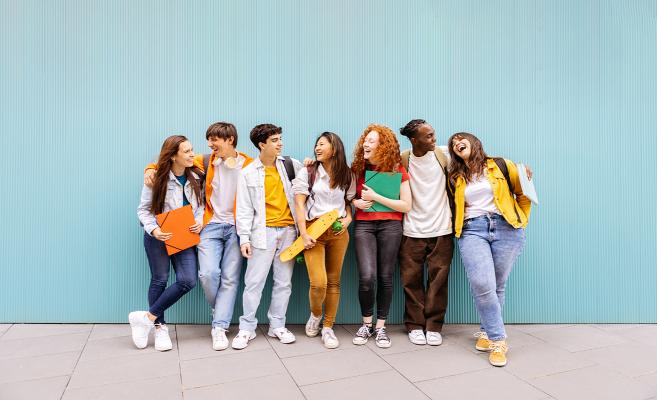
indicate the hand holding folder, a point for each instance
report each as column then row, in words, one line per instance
column 178, row 222
column 387, row 184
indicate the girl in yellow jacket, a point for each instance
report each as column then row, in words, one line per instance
column 489, row 219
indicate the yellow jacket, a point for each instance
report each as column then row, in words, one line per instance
column 514, row 210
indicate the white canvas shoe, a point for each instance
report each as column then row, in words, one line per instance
column 162, row 338
column 434, row 338
column 312, row 326
column 219, row 339
column 416, row 336
column 141, row 327
column 329, row 339
column 284, row 335
column 242, row 339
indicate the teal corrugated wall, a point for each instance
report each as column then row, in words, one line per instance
column 89, row 90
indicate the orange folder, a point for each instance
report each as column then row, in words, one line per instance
column 178, row 222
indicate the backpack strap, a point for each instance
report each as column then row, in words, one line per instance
column 442, row 160
column 289, row 168
column 501, row 164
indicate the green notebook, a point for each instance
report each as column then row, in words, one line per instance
column 387, row 184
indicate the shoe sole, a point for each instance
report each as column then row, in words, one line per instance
column 253, row 336
column 497, row 364
column 220, row 347
column 434, row 343
column 384, row 346
column 358, row 342
column 281, row 340
column 485, row 349
column 163, row 348
column 418, row 343
column 333, row 346
column 312, row 334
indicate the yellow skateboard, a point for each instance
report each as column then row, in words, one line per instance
column 315, row 231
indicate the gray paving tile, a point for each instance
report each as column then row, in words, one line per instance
column 398, row 339
column 279, row 386
column 192, row 331
column 436, row 362
column 109, row 331
column 322, row 367
column 163, row 388
column 379, row 385
column 645, row 334
column 121, row 346
column 531, row 328
column 595, row 382
column 540, row 360
column 4, row 328
column 39, row 346
column 306, row 345
column 630, row 359
column 196, row 343
column 615, row 328
column 649, row 380
column 24, row 331
column 27, row 368
column 140, row 366
column 579, row 337
column 463, row 386
column 231, row 367
column 42, row 389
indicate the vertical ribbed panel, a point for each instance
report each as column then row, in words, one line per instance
column 89, row 90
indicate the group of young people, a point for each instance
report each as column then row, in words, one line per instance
column 254, row 209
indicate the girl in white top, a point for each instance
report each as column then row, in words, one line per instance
column 326, row 185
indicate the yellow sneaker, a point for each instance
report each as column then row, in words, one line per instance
column 497, row 356
column 483, row 344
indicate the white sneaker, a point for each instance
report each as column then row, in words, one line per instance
column 219, row 339
column 363, row 334
column 416, row 336
column 329, row 339
column 312, row 326
column 141, row 327
column 434, row 338
column 282, row 334
column 242, row 339
column 162, row 339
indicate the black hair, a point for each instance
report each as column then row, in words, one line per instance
column 410, row 129
column 260, row 133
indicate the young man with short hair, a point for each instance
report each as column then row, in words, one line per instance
column 266, row 225
column 427, row 236
column 219, row 256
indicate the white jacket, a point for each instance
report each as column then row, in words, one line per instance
column 250, row 214
column 173, row 200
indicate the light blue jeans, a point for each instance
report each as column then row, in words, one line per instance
column 220, row 265
column 257, row 269
column 489, row 246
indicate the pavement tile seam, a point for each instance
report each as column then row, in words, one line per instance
column 36, row 379
column 186, row 388
column 77, row 361
column 175, row 329
column 341, row 379
column 6, row 330
column 122, row 382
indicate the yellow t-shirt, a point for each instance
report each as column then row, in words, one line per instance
column 277, row 210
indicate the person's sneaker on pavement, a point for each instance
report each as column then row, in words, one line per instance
column 497, row 356
column 434, row 338
column 329, row 339
column 242, row 339
column 219, row 339
column 141, row 327
column 283, row 334
column 382, row 340
column 416, row 336
column 483, row 344
column 364, row 333
column 162, row 338
column 312, row 326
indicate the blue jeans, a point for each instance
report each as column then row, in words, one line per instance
column 257, row 269
column 489, row 246
column 220, row 264
column 161, row 297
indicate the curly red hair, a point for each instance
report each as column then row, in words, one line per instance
column 386, row 154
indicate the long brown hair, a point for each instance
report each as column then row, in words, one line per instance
column 387, row 152
column 475, row 164
column 340, row 172
column 169, row 149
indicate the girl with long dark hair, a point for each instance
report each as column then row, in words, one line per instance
column 490, row 216
column 175, row 185
column 325, row 185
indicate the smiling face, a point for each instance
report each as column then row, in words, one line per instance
column 184, row 158
column 221, row 147
column 462, row 147
column 370, row 144
column 273, row 146
column 323, row 150
column 424, row 139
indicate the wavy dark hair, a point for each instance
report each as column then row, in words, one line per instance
column 340, row 171
column 169, row 149
column 475, row 164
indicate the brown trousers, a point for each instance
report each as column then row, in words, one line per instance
column 324, row 263
column 425, row 308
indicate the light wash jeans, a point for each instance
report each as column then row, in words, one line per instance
column 220, row 265
column 257, row 269
column 489, row 246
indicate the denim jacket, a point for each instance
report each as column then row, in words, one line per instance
column 250, row 215
column 173, row 200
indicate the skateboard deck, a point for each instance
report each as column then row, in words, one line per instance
column 315, row 231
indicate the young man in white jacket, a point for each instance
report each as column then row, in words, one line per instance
column 266, row 225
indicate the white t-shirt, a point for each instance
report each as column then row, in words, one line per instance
column 224, row 188
column 479, row 197
column 430, row 215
